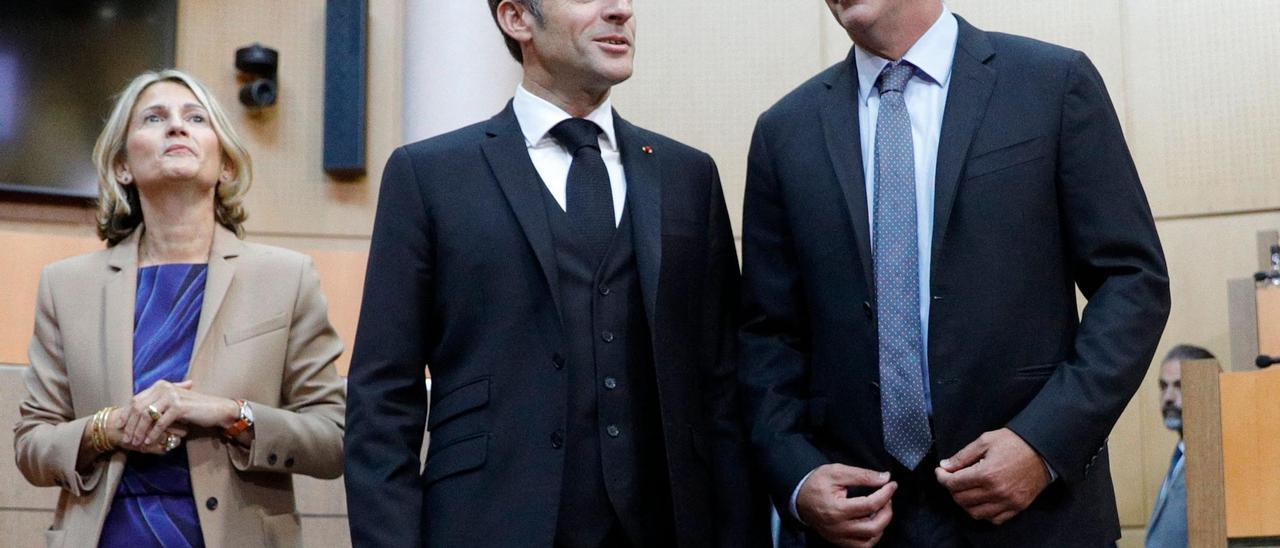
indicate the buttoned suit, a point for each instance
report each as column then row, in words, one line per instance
column 463, row 277
column 1035, row 195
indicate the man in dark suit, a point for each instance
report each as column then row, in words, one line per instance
column 917, row 219
column 571, row 280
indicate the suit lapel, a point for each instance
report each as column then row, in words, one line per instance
column 971, row 85
column 508, row 157
column 119, row 294
column 844, row 145
column 221, row 270
column 1159, row 509
column 1166, row 488
column 640, row 162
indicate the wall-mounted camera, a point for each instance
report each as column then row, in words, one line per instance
column 258, row 64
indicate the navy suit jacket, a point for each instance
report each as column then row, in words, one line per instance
column 462, row 276
column 1036, row 195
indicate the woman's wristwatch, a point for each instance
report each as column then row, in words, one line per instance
column 245, row 421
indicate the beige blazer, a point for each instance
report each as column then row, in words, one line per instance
column 263, row 336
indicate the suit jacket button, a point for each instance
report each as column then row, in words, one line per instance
column 604, row 290
column 606, row 336
column 557, row 439
column 288, row 463
column 557, row 361
column 610, row 383
column 866, row 308
column 271, row 459
column 212, row 503
column 613, row 431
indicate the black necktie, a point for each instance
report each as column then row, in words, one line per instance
column 588, row 196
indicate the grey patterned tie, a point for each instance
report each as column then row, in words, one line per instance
column 902, row 405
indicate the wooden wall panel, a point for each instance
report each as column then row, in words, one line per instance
column 1267, row 314
column 292, row 194
column 704, row 73
column 1125, row 449
column 1202, row 104
column 341, row 277
column 24, row 527
column 1251, row 449
column 1202, row 418
column 1132, row 537
column 15, row 492
column 24, row 258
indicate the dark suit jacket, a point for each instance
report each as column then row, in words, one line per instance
column 462, row 276
column 1035, row 195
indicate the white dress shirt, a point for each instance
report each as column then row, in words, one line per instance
column 537, row 116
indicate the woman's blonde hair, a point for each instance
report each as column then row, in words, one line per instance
column 119, row 209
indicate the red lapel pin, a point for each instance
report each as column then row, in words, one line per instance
column 647, row 149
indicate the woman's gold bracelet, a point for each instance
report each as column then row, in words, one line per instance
column 98, row 430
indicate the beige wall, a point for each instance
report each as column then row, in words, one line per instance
column 1190, row 84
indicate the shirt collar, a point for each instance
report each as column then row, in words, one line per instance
column 537, row 116
column 932, row 54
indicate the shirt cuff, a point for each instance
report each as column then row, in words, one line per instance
column 1053, row 476
column 795, row 494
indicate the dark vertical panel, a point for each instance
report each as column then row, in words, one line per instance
column 345, row 74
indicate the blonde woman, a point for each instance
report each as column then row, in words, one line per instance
column 179, row 376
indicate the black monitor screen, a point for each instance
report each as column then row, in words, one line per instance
column 61, row 64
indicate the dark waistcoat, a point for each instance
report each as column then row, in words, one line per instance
column 615, row 473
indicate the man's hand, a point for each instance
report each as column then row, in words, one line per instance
column 824, row 504
column 995, row 477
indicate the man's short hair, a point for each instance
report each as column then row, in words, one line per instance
column 1185, row 352
column 534, row 7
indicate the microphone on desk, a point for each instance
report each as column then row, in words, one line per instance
column 1263, row 361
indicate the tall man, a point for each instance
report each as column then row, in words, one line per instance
column 917, row 219
column 1168, row 525
column 571, row 280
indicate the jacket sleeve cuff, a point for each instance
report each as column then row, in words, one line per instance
column 66, row 475
column 1062, row 465
column 262, row 454
column 790, row 464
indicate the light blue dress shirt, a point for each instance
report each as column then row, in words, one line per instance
column 926, row 98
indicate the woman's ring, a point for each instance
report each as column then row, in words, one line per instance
column 154, row 413
column 171, row 442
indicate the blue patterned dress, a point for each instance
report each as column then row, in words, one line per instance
column 154, row 505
